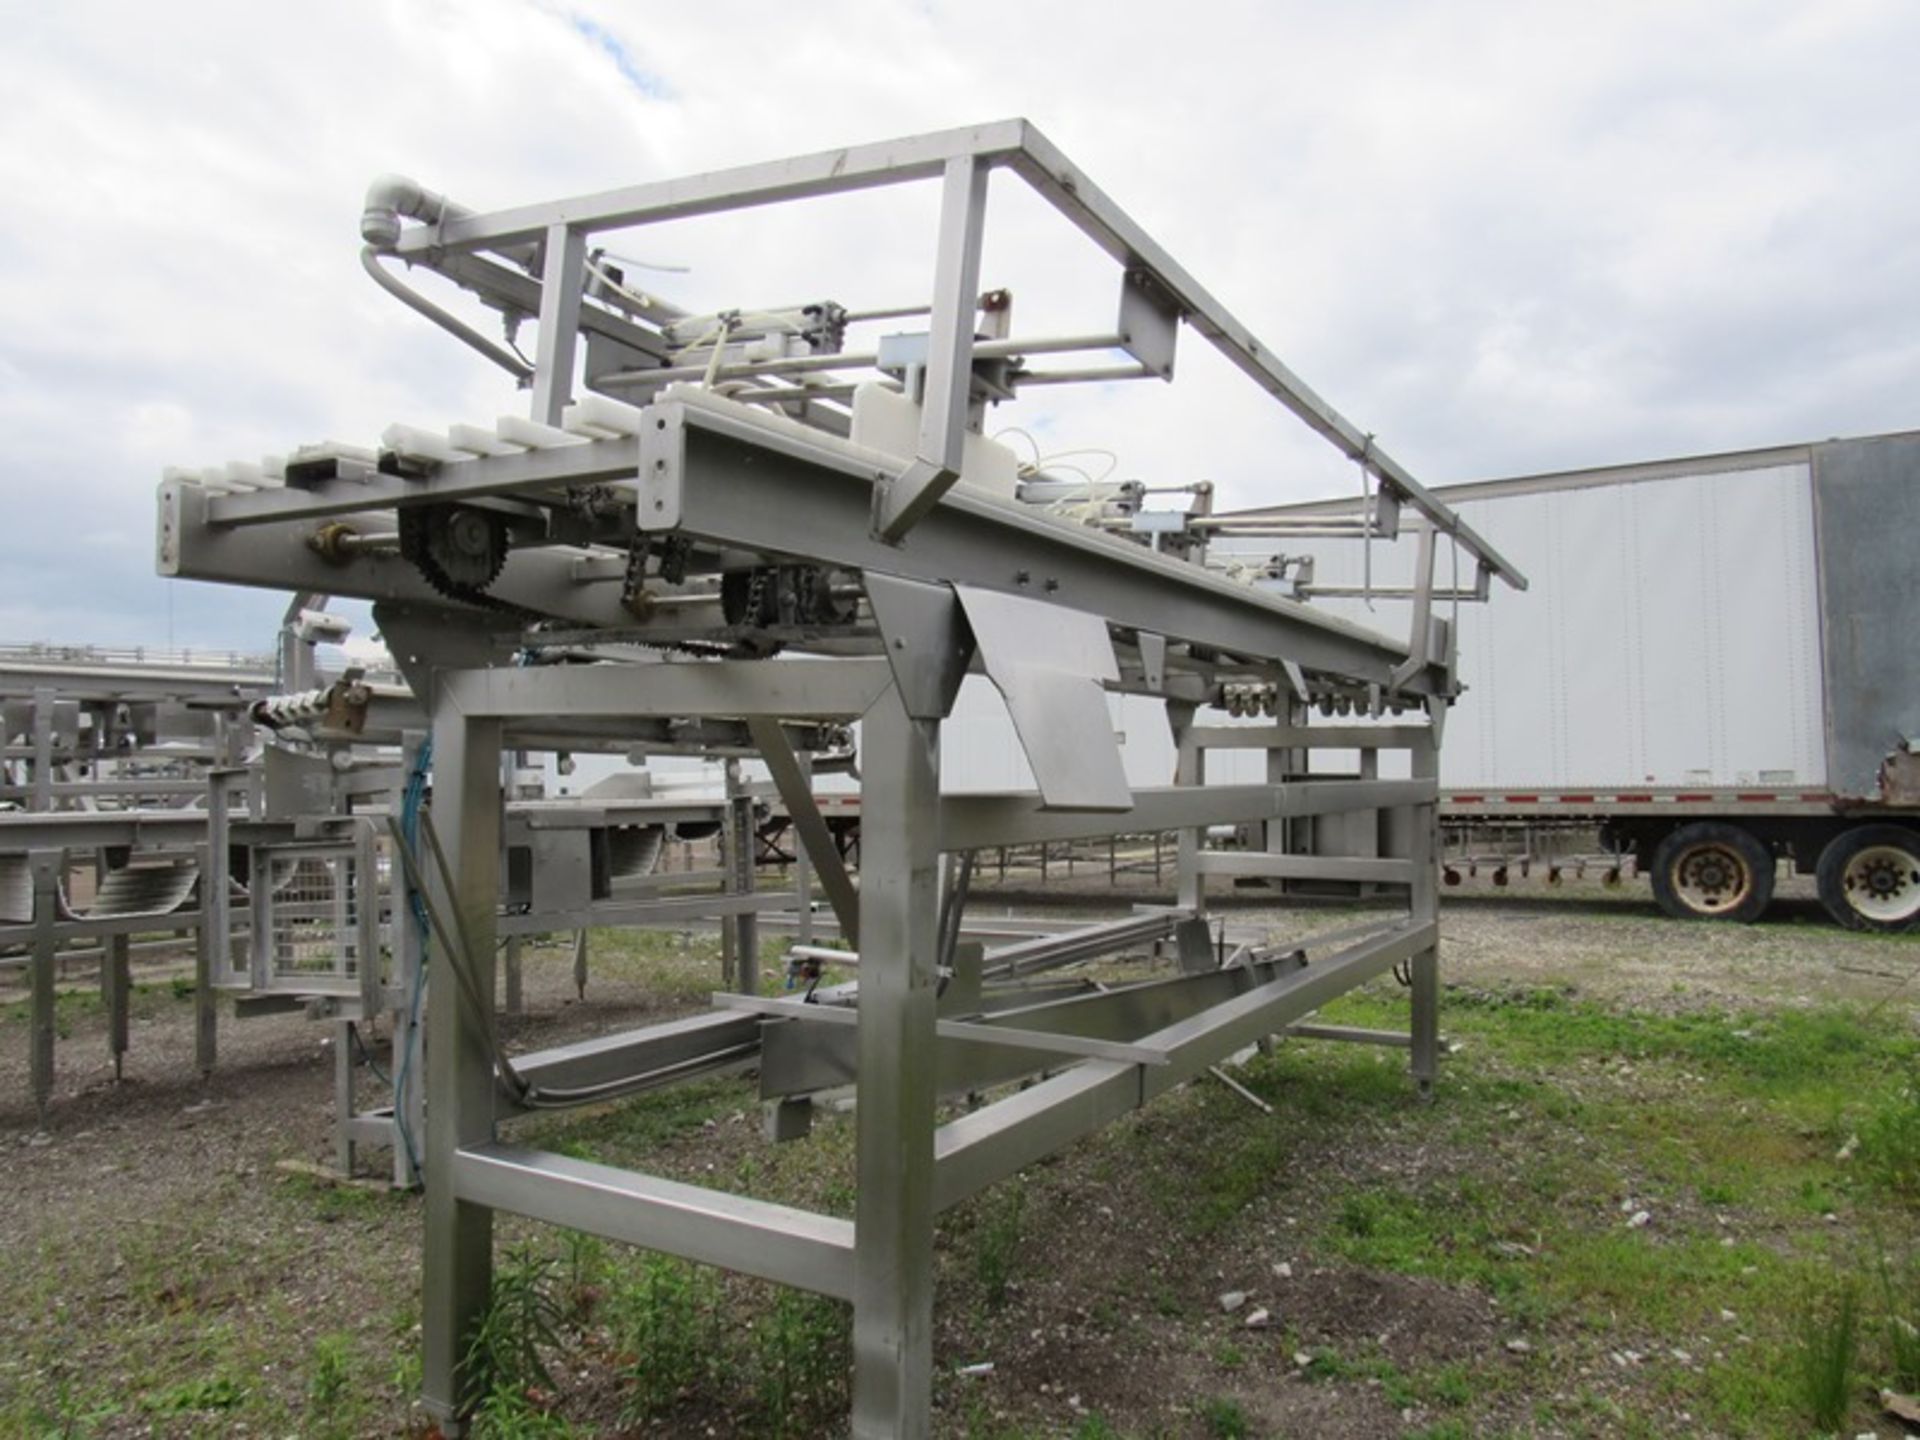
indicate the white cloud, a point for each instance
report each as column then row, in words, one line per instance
column 1503, row 236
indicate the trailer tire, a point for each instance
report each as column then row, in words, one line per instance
column 1869, row 878
column 1711, row 871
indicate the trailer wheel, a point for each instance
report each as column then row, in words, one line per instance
column 1870, row 878
column 1709, row 871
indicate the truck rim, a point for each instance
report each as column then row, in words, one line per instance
column 1882, row 882
column 1711, row 878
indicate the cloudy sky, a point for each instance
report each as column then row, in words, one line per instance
column 1505, row 237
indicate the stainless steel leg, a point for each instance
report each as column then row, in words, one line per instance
column 1425, row 904
column 516, row 999
column 343, row 1097
column 116, row 983
column 45, row 865
column 214, row 945
column 1190, row 769
column 743, row 929
column 42, row 797
column 409, row 1060
column 899, row 924
column 458, row 1261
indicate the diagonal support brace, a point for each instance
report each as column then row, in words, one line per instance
column 949, row 378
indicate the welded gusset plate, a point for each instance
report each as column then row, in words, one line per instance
column 927, row 640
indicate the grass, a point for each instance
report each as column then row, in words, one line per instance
column 997, row 1241
column 1899, row 1293
column 664, row 1317
column 218, row 1392
column 80, row 1002
column 1827, row 1356
column 802, row 1352
column 1224, row 1419
column 1731, row 1130
column 622, row 1134
column 329, row 1386
column 506, row 1355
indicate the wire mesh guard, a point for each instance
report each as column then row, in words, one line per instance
column 314, row 935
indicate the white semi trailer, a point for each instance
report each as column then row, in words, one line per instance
column 1717, row 664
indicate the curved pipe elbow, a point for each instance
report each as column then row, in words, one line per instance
column 393, row 197
column 452, row 324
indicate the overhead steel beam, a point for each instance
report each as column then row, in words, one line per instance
column 1037, row 160
column 829, row 172
column 1042, row 165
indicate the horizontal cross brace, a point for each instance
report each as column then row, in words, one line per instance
column 775, row 1242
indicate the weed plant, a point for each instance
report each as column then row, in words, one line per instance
column 1828, row 1355
column 1225, row 1419
column 998, row 1243
column 329, row 1386
column 506, row 1354
column 802, row 1352
column 664, row 1315
column 1890, row 1139
column 1900, row 1319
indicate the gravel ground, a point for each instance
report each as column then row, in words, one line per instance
column 162, row 1159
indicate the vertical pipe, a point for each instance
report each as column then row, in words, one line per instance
column 409, row 1055
column 458, row 1260
column 259, row 917
column 116, row 983
column 729, row 849
column 343, row 1112
column 216, row 904
column 745, row 926
column 215, row 945
column 893, row 1218
column 45, row 865
column 1424, row 902
column 516, row 1000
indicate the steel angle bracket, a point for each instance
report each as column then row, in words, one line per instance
column 1051, row 665
column 928, row 644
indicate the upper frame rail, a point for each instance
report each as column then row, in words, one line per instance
column 1014, row 143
